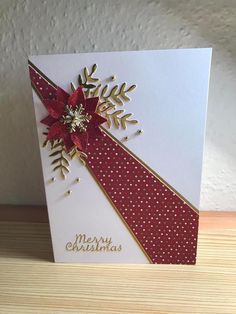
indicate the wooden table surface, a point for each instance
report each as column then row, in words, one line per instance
column 31, row 283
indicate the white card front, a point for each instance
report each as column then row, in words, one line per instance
column 166, row 92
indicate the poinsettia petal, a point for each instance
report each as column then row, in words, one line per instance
column 55, row 108
column 57, row 131
column 93, row 126
column 96, row 120
column 80, row 139
column 91, row 104
column 94, row 133
column 77, row 97
column 49, row 120
column 68, row 142
column 62, row 96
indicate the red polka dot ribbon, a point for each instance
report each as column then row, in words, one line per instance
column 164, row 224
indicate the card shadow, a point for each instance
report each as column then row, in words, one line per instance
column 27, row 241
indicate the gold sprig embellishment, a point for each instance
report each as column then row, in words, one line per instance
column 109, row 98
column 61, row 162
column 77, row 153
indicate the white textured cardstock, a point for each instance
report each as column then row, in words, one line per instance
column 170, row 103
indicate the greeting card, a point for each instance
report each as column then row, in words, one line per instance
column 121, row 140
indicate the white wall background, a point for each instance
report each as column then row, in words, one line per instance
column 60, row 26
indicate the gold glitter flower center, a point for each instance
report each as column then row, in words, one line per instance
column 75, row 117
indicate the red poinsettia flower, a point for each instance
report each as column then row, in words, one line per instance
column 72, row 118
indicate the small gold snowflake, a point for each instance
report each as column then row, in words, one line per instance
column 75, row 117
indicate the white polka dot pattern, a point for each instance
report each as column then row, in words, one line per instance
column 165, row 226
column 43, row 87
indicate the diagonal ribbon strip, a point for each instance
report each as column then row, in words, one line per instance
column 163, row 223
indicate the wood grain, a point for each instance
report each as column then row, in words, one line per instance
column 31, row 283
